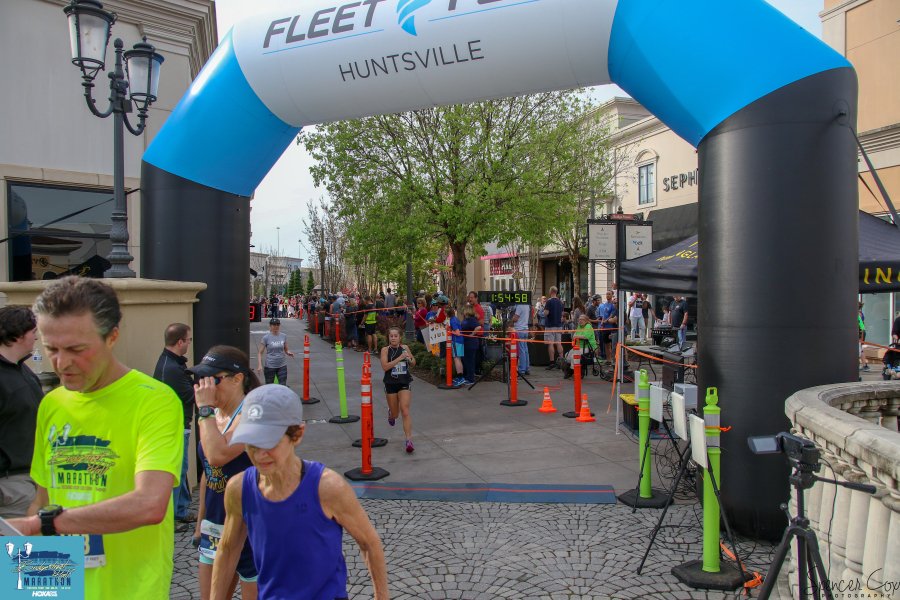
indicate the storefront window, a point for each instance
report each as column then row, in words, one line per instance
column 879, row 317
column 647, row 184
column 57, row 231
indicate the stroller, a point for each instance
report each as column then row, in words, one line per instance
column 588, row 359
column 891, row 360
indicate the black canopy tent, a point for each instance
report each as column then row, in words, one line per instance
column 674, row 269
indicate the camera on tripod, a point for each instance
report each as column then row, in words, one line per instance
column 798, row 450
column 805, row 460
column 802, row 454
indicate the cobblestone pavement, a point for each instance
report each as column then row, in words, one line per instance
column 443, row 550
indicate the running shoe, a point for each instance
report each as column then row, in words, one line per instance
column 467, row 382
column 409, row 447
column 391, row 420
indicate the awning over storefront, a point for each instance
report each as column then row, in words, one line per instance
column 499, row 256
column 671, row 225
column 674, row 269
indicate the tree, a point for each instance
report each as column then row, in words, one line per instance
column 310, row 283
column 293, row 287
column 592, row 166
column 327, row 235
column 417, row 185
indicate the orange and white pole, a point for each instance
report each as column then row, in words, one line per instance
column 449, row 356
column 576, row 368
column 366, row 471
column 306, row 399
column 448, row 385
column 513, row 399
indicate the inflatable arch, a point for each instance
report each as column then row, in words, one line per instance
column 768, row 106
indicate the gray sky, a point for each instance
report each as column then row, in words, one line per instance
column 281, row 198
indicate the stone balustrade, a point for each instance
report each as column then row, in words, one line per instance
column 855, row 424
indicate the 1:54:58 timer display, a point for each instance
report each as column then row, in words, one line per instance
column 501, row 298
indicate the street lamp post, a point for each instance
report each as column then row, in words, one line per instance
column 278, row 241
column 137, row 83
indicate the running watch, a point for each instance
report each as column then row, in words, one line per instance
column 47, row 515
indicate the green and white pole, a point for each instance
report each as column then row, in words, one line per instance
column 644, row 458
column 712, row 421
column 643, row 495
column 342, row 390
column 709, row 573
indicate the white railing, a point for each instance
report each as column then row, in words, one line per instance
column 859, row 534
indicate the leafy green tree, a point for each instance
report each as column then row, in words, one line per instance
column 416, row 185
column 588, row 178
column 292, row 283
column 310, row 283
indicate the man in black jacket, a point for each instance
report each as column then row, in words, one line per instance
column 171, row 369
column 20, row 395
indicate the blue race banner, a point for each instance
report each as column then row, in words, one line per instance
column 42, row 567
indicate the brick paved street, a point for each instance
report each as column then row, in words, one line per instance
column 480, row 551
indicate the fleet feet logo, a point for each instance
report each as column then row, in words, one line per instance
column 51, row 567
column 405, row 14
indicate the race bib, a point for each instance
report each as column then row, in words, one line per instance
column 94, row 554
column 399, row 369
column 210, row 534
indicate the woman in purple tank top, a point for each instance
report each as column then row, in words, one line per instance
column 292, row 511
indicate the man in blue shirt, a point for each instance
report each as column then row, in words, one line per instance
column 553, row 310
column 604, row 313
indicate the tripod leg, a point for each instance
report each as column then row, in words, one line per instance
column 671, row 498
column 485, row 374
column 637, row 488
column 525, row 379
column 775, row 566
column 737, row 556
column 665, row 424
column 812, row 550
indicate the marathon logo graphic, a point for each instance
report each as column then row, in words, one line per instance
column 216, row 480
column 79, row 462
column 51, row 567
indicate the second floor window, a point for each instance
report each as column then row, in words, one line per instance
column 647, row 184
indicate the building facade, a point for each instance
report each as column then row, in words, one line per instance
column 867, row 32
column 56, row 158
column 271, row 274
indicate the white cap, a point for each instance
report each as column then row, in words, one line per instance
column 266, row 414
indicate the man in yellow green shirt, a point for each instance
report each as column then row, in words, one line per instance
column 108, row 448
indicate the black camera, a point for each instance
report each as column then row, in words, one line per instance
column 800, row 451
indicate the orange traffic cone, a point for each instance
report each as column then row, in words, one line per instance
column 547, row 406
column 585, row 416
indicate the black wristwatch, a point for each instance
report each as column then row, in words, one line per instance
column 47, row 515
column 205, row 412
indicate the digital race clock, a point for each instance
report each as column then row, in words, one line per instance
column 505, row 298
